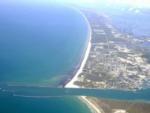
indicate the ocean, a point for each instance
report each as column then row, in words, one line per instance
column 12, row 104
column 40, row 45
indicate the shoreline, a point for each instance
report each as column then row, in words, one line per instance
column 71, row 84
column 91, row 106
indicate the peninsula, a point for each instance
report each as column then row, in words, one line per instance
column 113, row 60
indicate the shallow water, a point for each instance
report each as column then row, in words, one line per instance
column 39, row 44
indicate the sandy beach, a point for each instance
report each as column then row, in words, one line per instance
column 92, row 106
column 71, row 84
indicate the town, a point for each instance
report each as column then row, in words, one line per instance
column 116, row 60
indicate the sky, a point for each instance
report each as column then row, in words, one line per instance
column 135, row 3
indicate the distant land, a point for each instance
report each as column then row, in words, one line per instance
column 108, row 64
column 115, row 59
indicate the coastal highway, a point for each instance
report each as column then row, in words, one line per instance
column 46, row 92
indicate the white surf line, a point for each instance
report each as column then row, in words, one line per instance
column 71, row 84
column 80, row 70
column 93, row 107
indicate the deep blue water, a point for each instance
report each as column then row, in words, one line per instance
column 39, row 44
column 139, row 95
column 11, row 104
column 54, row 100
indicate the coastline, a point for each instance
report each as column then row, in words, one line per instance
column 91, row 106
column 71, row 84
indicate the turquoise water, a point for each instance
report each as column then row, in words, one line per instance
column 39, row 45
column 54, row 100
column 11, row 104
column 59, row 100
column 139, row 95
